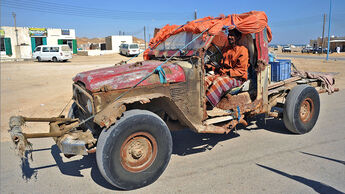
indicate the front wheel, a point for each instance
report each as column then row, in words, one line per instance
column 301, row 109
column 135, row 151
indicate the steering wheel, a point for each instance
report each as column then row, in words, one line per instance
column 213, row 56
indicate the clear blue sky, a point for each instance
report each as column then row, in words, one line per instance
column 291, row 21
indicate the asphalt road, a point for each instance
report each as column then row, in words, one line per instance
column 262, row 159
column 312, row 56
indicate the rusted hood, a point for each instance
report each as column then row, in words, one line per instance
column 127, row 75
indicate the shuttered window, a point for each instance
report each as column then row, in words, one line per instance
column 2, row 42
column 75, row 49
column 8, row 46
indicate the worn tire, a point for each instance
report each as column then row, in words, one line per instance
column 301, row 109
column 122, row 139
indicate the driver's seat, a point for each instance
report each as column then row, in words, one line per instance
column 247, row 41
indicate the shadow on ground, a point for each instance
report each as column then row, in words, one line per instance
column 270, row 124
column 326, row 158
column 316, row 185
column 185, row 142
column 71, row 168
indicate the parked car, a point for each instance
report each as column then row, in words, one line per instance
column 275, row 47
column 307, row 49
column 52, row 53
column 286, row 49
column 129, row 49
column 320, row 50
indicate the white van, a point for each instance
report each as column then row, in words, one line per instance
column 129, row 49
column 52, row 53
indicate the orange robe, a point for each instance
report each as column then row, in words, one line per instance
column 235, row 62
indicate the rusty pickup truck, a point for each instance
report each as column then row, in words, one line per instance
column 124, row 113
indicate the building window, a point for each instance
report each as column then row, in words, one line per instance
column 65, row 32
column 2, row 44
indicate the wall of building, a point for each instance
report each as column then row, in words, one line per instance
column 113, row 42
column 24, row 47
column 108, row 43
column 55, row 34
column 334, row 45
column 318, row 42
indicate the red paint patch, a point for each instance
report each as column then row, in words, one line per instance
column 126, row 76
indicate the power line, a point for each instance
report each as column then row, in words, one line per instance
column 87, row 12
column 106, row 10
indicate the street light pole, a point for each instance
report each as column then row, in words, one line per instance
column 329, row 27
column 17, row 47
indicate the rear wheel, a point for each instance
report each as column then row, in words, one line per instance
column 39, row 59
column 54, row 59
column 135, row 151
column 301, row 109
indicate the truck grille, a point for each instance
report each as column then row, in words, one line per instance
column 81, row 96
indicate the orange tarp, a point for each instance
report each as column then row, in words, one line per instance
column 250, row 22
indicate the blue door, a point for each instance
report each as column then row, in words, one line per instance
column 33, row 44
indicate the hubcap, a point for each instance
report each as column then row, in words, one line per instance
column 138, row 151
column 306, row 111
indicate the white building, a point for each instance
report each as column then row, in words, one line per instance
column 29, row 38
column 113, row 42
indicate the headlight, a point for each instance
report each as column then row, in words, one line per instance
column 89, row 106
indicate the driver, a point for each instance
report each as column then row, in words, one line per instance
column 231, row 73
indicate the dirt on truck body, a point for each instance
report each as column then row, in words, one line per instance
column 124, row 112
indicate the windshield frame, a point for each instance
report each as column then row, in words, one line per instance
column 187, row 52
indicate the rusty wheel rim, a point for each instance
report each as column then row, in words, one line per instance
column 138, row 152
column 306, row 110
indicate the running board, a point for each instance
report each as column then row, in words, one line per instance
column 218, row 120
column 216, row 112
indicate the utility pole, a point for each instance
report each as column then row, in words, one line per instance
column 16, row 30
column 145, row 36
column 323, row 32
column 329, row 27
column 195, row 15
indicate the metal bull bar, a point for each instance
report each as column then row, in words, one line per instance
column 59, row 126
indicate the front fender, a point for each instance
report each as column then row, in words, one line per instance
column 113, row 111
